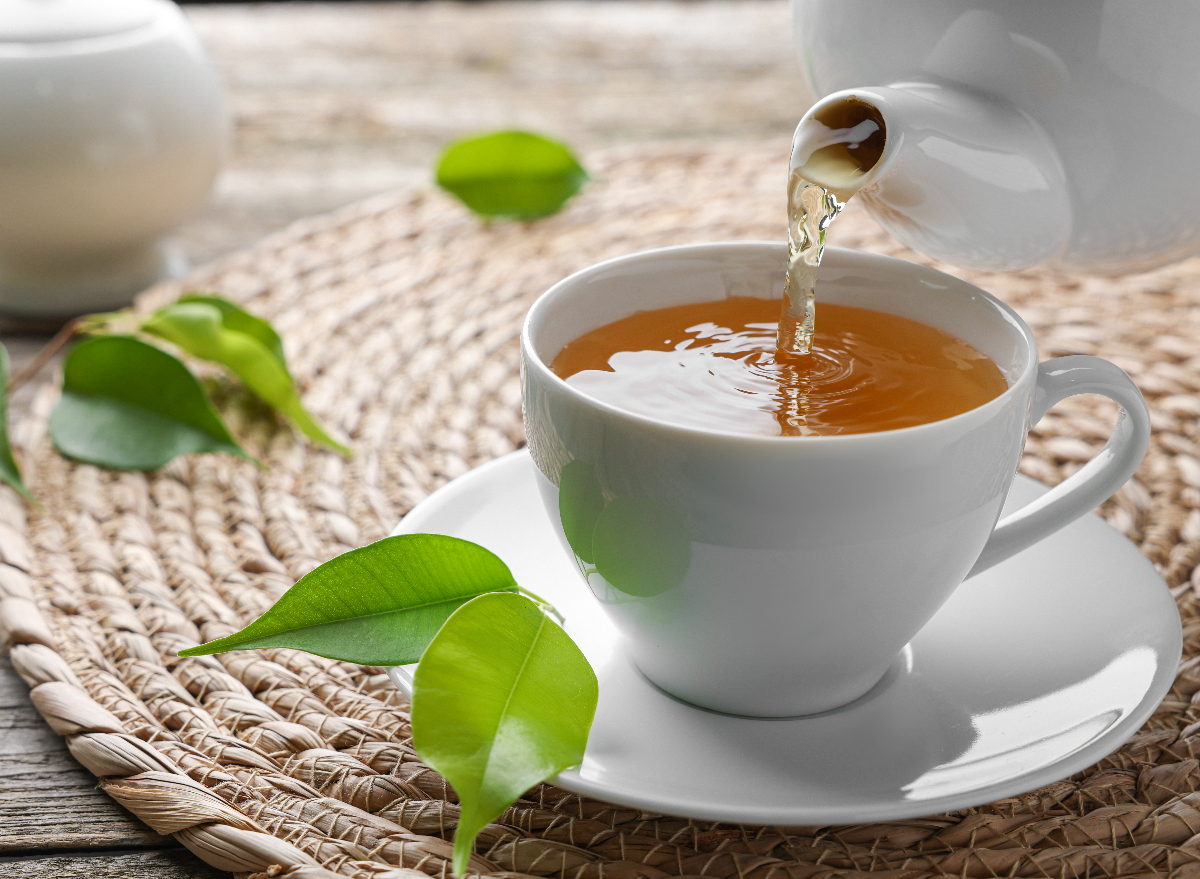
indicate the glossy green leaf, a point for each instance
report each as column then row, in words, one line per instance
column 641, row 547
column 234, row 317
column 131, row 406
column 502, row 700
column 380, row 604
column 511, row 174
column 9, row 471
column 200, row 329
column 580, row 502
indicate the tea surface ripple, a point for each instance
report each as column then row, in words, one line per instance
column 713, row 365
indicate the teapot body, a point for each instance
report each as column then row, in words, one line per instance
column 1114, row 87
column 114, row 125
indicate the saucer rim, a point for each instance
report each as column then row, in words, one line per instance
column 1063, row 767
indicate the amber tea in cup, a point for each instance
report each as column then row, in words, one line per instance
column 714, row 365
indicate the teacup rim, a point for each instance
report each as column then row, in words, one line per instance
column 530, row 357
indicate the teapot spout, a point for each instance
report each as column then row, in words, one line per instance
column 955, row 174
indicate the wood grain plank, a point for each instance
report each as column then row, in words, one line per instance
column 176, row 864
column 47, row 800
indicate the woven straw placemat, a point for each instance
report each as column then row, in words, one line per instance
column 401, row 318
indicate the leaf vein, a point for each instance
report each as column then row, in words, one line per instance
column 533, row 642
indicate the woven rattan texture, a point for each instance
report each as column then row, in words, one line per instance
column 401, row 317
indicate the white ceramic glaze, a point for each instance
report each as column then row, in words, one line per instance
column 1024, row 131
column 1031, row 672
column 112, row 133
column 745, row 571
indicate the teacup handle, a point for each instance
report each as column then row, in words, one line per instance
column 1099, row 478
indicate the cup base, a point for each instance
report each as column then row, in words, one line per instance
column 769, row 703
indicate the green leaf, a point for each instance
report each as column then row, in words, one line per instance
column 234, row 317
column 641, row 547
column 380, row 604
column 9, row 471
column 511, row 174
column 131, row 406
column 502, row 700
column 580, row 502
column 200, row 329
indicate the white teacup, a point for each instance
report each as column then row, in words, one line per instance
column 778, row 576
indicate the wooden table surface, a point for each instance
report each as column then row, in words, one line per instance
column 335, row 102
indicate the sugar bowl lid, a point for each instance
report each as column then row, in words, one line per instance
column 51, row 21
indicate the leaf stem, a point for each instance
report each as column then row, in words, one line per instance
column 542, row 603
column 46, row 354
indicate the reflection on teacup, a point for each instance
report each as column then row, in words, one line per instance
column 631, row 545
column 777, row 575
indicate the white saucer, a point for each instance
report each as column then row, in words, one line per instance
column 1031, row 672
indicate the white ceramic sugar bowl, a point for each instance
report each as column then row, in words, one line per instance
column 112, row 126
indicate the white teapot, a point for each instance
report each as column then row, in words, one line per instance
column 112, row 126
column 1019, row 132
